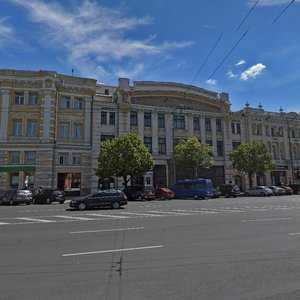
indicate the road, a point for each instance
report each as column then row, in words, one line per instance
column 236, row 248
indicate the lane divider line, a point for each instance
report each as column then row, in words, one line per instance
column 107, row 230
column 112, row 250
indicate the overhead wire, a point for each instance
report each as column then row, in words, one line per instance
column 283, row 11
column 249, row 12
column 226, row 56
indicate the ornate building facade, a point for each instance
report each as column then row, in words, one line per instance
column 45, row 130
column 51, row 126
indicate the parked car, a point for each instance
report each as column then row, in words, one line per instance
column 295, row 187
column 104, row 198
column 47, row 196
column 139, row 192
column 13, row 197
column 259, row 191
column 277, row 191
column 164, row 193
column 229, row 190
column 288, row 190
column 215, row 193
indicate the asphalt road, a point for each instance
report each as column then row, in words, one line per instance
column 242, row 248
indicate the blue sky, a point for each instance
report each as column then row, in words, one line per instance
column 221, row 45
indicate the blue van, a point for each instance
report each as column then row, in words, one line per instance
column 193, row 188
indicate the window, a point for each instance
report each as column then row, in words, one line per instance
column 31, row 128
column 196, row 123
column 76, row 159
column 19, row 98
column 106, row 137
column 235, row 145
column 148, row 143
column 207, row 124
column 15, row 157
column 30, row 157
column 64, row 159
column 103, row 117
column 267, row 130
column 218, row 125
column 220, row 151
column 133, row 118
column 179, row 122
column 17, row 127
column 238, row 128
column 33, row 99
column 64, row 130
column 78, row 103
column 161, row 120
column 112, row 118
column 232, row 128
column 147, row 119
column 106, row 92
column 66, row 102
column 77, row 131
column 161, row 145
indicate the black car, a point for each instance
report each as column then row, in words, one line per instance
column 229, row 190
column 105, row 198
column 14, row 197
column 47, row 196
column 139, row 192
column 295, row 187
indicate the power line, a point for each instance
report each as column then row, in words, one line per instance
column 283, row 11
column 206, row 59
column 247, row 14
column 227, row 55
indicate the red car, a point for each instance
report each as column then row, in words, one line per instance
column 288, row 190
column 164, row 193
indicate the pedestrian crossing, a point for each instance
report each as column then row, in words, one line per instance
column 153, row 212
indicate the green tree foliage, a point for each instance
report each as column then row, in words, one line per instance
column 252, row 158
column 125, row 156
column 192, row 154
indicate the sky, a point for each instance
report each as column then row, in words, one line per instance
column 247, row 48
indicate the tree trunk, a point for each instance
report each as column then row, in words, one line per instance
column 250, row 180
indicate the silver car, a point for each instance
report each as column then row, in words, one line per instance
column 259, row 191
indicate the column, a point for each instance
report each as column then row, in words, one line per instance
column 202, row 129
column 87, row 120
column 214, row 134
column 141, row 124
column 47, row 115
column 4, row 115
column 154, row 132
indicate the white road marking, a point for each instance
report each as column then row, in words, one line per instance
column 173, row 213
column 108, row 216
column 140, row 214
column 112, row 250
column 294, row 233
column 265, row 220
column 107, row 230
column 3, row 223
column 76, row 218
column 36, row 220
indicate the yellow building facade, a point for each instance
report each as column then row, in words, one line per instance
column 45, row 130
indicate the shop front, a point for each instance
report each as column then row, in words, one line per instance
column 69, row 183
column 16, row 177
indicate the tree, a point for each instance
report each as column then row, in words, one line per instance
column 192, row 154
column 251, row 159
column 125, row 156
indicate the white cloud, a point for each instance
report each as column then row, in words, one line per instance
column 240, row 62
column 94, row 36
column 211, row 81
column 6, row 33
column 253, row 71
column 231, row 74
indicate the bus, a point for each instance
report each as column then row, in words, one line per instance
column 194, row 188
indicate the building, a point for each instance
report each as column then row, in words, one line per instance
column 45, row 130
column 51, row 126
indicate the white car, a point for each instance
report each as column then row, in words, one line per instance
column 259, row 191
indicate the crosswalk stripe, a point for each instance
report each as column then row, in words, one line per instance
column 141, row 214
column 171, row 213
